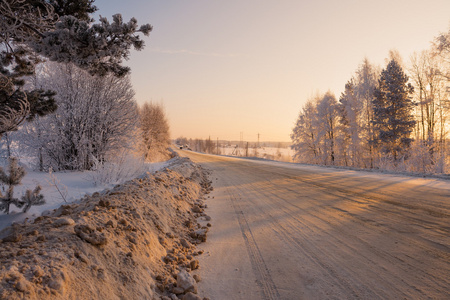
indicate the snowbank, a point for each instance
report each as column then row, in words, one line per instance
column 135, row 241
column 61, row 188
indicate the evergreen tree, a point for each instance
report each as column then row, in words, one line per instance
column 16, row 173
column 392, row 111
column 62, row 31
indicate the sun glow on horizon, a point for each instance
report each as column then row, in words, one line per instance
column 220, row 70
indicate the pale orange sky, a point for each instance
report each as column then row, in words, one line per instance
column 225, row 67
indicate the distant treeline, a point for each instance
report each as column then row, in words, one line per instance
column 213, row 146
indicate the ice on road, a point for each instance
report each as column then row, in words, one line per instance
column 290, row 232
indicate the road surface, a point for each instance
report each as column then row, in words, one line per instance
column 283, row 231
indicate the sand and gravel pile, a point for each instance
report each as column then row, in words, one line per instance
column 135, row 241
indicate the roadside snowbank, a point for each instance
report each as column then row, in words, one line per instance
column 135, row 241
column 59, row 188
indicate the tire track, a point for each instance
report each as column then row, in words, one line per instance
column 264, row 280
column 264, row 189
column 307, row 250
column 328, row 219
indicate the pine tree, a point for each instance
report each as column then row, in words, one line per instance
column 16, row 173
column 57, row 30
column 32, row 198
column 392, row 109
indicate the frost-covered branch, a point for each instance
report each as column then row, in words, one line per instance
column 54, row 181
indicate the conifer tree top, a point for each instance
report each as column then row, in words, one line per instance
column 63, row 31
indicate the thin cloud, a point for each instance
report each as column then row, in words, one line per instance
column 189, row 52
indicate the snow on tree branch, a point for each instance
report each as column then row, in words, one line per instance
column 99, row 48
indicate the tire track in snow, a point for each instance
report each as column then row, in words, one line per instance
column 264, row 279
column 405, row 266
column 309, row 251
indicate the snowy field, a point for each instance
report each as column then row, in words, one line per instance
column 270, row 153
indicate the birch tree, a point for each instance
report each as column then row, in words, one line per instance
column 350, row 109
column 305, row 134
column 327, row 112
column 365, row 82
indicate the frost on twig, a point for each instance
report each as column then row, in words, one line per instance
column 54, row 181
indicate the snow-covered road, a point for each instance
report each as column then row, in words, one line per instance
column 285, row 231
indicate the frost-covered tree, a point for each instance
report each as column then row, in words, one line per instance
column 393, row 111
column 197, row 145
column 327, row 111
column 428, row 71
column 209, row 145
column 350, row 109
column 305, row 134
column 315, row 135
column 378, row 115
column 441, row 48
column 95, row 117
column 62, row 31
column 365, row 80
column 425, row 75
column 155, row 131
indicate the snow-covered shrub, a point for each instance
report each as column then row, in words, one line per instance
column 125, row 166
column 420, row 159
column 95, row 116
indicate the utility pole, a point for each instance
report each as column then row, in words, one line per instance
column 241, row 144
column 258, row 141
column 217, row 146
column 210, row 147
